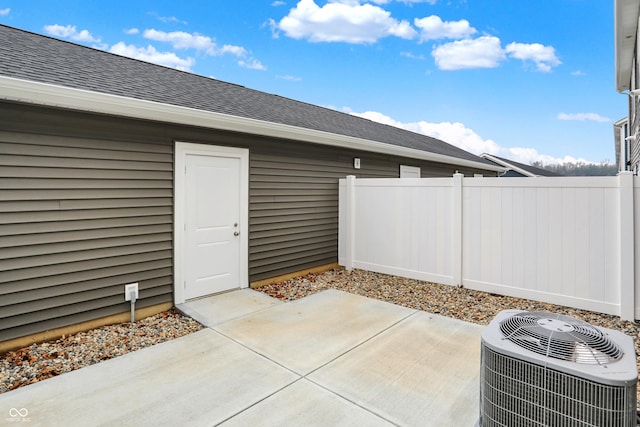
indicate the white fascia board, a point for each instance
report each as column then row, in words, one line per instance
column 44, row 94
column 626, row 13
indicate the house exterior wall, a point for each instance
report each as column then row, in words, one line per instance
column 87, row 206
column 80, row 217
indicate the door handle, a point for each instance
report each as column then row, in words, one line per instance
column 236, row 233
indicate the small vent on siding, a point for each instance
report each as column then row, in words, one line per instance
column 561, row 337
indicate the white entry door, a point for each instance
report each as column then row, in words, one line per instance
column 213, row 255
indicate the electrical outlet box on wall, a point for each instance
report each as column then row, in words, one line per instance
column 128, row 289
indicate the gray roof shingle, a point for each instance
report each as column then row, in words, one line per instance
column 29, row 56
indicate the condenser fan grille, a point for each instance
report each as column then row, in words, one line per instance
column 561, row 337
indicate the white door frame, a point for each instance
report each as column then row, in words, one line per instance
column 182, row 149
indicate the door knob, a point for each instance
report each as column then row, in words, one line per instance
column 236, row 233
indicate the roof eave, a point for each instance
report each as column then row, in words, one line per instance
column 44, row 94
column 625, row 30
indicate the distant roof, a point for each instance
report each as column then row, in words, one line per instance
column 520, row 168
column 37, row 58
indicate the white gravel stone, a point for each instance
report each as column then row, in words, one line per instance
column 37, row 362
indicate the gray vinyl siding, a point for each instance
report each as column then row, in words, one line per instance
column 78, row 218
column 86, row 205
column 293, row 213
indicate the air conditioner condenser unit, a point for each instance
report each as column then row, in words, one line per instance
column 546, row 369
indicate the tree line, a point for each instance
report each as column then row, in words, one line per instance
column 580, row 168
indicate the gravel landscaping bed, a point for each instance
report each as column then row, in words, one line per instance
column 40, row 361
column 450, row 301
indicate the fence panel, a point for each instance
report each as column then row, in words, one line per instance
column 546, row 239
column 401, row 227
column 557, row 240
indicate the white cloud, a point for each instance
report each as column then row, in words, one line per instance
column 85, row 36
column 544, row 57
column 454, row 133
column 150, row 54
column 578, row 73
column 70, row 32
column 289, row 78
column 5, row 12
column 487, row 52
column 132, row 31
column 349, row 22
column 278, row 3
column 234, row 50
column 273, row 26
column 172, row 19
column 433, row 28
column 583, row 116
column 459, row 135
column 182, row 40
column 252, row 64
column 483, row 52
column 412, row 56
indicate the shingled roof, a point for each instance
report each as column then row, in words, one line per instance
column 37, row 58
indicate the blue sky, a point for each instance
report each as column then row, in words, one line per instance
column 527, row 80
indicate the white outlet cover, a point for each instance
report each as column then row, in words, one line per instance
column 127, row 291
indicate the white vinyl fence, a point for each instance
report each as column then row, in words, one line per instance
column 562, row 240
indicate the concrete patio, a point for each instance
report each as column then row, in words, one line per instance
column 329, row 359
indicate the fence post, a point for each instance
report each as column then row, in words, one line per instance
column 456, row 257
column 627, row 237
column 350, row 221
